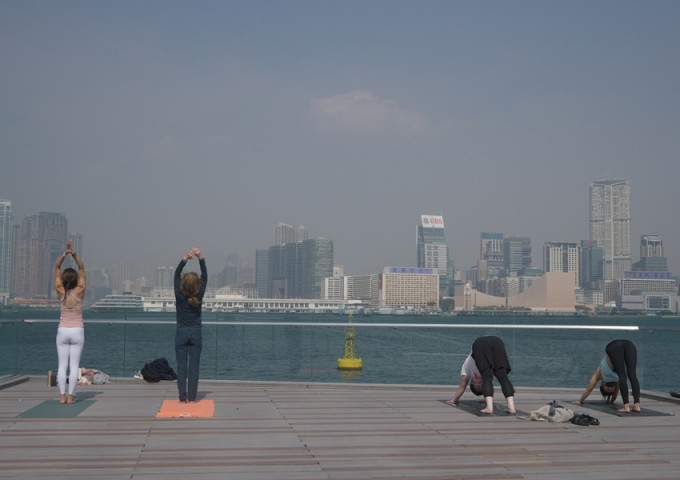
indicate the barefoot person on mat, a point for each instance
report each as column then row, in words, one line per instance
column 70, row 286
column 488, row 359
column 619, row 362
column 189, row 291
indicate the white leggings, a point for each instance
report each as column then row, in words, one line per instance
column 70, row 343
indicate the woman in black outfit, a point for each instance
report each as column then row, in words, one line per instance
column 189, row 291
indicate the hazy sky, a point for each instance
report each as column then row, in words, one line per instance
column 155, row 126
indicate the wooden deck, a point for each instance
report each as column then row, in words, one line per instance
column 288, row 431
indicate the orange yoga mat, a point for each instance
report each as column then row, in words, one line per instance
column 175, row 409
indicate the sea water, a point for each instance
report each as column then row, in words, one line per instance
column 235, row 348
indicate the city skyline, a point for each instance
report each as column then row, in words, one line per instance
column 496, row 116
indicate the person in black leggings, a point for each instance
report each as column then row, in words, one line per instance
column 488, row 359
column 619, row 362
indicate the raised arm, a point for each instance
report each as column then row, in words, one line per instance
column 597, row 376
column 82, row 279
column 58, row 284
column 178, row 271
column 204, row 271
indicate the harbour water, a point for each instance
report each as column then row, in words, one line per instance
column 294, row 347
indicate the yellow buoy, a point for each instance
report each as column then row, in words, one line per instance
column 349, row 362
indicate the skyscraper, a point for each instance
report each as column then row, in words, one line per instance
column 6, row 222
column 563, row 257
column 432, row 250
column 37, row 242
column 516, row 254
column 592, row 265
column 652, row 258
column 490, row 254
column 610, row 225
column 298, row 269
column 286, row 233
column 262, row 273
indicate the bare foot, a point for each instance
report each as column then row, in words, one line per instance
column 62, row 399
column 451, row 402
column 636, row 408
column 511, row 412
column 486, row 411
column 70, row 399
column 624, row 410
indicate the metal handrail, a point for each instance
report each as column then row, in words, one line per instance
column 629, row 328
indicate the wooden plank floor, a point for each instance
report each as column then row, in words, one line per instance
column 289, row 431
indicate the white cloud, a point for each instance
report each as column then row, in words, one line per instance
column 362, row 111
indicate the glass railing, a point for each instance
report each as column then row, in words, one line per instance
column 543, row 351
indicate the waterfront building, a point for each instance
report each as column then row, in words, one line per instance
column 432, row 250
column 563, row 257
column 366, row 289
column 648, row 291
column 635, row 282
column 516, row 254
column 409, row 287
column 553, row 292
column 610, row 225
column 491, row 253
column 334, row 286
column 6, row 223
column 652, row 258
column 37, row 242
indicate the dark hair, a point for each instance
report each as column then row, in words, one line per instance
column 476, row 389
column 190, row 286
column 69, row 278
column 605, row 394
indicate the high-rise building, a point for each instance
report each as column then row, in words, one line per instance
column 652, row 258
column 262, row 273
column 592, row 265
column 164, row 277
column 6, row 223
column 563, row 257
column 491, row 253
column 287, row 233
column 516, row 254
column 610, row 225
column 37, row 243
column 298, row 269
column 317, row 264
column 410, row 287
column 432, row 250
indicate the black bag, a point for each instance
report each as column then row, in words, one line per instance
column 158, row 370
column 149, row 375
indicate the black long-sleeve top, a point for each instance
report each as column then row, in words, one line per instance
column 188, row 316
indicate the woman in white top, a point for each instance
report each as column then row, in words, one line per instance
column 488, row 359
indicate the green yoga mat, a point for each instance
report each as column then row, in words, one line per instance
column 54, row 409
column 474, row 407
column 613, row 409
